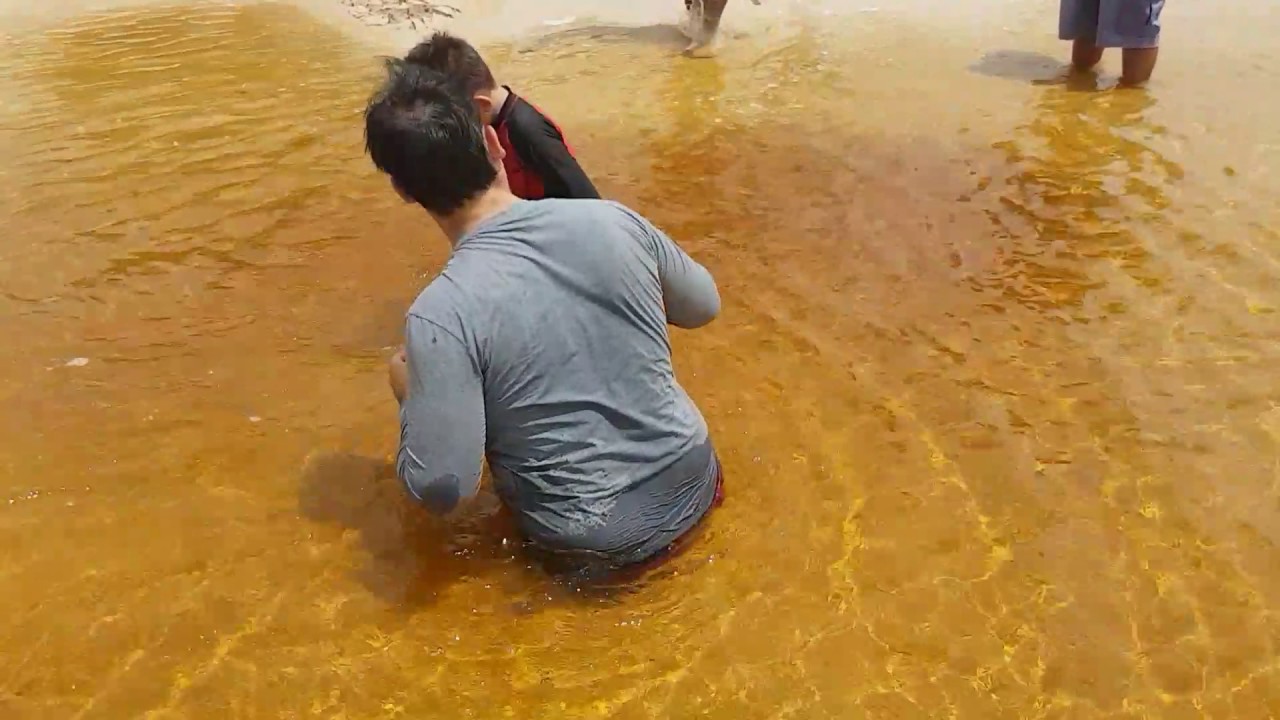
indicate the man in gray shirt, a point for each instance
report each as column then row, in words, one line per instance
column 542, row 345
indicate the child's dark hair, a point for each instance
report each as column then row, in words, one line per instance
column 456, row 58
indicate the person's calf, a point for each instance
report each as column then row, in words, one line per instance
column 1139, row 64
column 1085, row 55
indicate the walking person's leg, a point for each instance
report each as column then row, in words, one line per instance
column 702, row 22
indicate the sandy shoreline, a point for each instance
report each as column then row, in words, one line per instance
column 398, row 12
column 392, row 24
column 377, row 20
column 402, row 22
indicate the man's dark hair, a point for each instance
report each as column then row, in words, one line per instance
column 423, row 131
column 454, row 57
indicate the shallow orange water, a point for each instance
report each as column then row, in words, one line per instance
column 995, row 385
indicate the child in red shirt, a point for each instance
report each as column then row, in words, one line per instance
column 539, row 161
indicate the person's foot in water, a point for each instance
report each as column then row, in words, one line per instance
column 702, row 24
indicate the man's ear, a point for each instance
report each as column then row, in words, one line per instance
column 484, row 106
column 493, row 146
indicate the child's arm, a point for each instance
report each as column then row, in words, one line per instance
column 547, row 155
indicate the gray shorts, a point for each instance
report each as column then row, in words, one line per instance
column 1112, row 23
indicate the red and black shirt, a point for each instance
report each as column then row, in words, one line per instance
column 539, row 161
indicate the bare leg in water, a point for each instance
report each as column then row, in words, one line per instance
column 703, row 24
column 1133, row 25
column 1085, row 55
column 1139, row 63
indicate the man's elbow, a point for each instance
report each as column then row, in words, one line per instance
column 697, row 315
column 440, row 495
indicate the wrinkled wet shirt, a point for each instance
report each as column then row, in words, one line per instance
column 543, row 345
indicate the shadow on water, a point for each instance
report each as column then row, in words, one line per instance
column 1021, row 65
column 1038, row 69
column 1041, row 69
column 411, row 558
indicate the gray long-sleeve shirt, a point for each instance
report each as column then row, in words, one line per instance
column 543, row 345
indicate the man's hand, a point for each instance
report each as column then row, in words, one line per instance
column 398, row 374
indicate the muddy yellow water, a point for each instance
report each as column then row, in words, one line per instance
column 997, row 384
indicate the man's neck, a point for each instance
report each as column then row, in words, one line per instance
column 459, row 224
column 499, row 99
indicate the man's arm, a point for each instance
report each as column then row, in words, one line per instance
column 688, row 291
column 545, row 152
column 442, row 423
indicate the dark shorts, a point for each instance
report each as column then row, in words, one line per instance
column 682, row 543
column 1112, row 23
column 591, row 569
